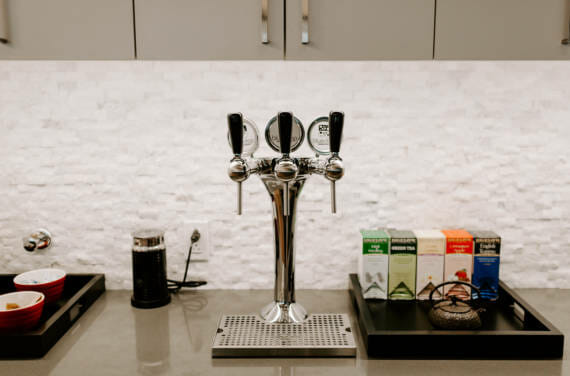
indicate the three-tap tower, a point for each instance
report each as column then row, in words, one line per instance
column 284, row 178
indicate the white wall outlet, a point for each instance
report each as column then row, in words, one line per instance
column 178, row 241
column 201, row 249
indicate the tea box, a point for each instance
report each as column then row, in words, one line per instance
column 458, row 262
column 430, row 262
column 486, row 258
column 402, row 266
column 373, row 264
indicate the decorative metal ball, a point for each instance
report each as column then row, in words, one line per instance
column 334, row 169
column 238, row 170
column 286, row 170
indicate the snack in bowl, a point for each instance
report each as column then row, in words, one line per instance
column 50, row 282
column 21, row 310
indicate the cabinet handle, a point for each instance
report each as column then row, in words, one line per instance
column 566, row 41
column 3, row 23
column 305, row 22
column 264, row 21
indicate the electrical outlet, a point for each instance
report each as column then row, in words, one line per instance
column 178, row 241
column 200, row 250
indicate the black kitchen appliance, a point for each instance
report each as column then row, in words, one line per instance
column 150, row 287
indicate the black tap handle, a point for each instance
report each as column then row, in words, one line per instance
column 285, row 124
column 235, row 125
column 336, row 122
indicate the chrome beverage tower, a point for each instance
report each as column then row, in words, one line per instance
column 284, row 178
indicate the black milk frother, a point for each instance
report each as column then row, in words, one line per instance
column 150, row 287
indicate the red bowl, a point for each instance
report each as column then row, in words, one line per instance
column 20, row 320
column 36, row 288
column 40, row 278
column 21, row 315
column 27, row 316
column 20, row 325
column 48, row 281
column 52, row 294
column 14, row 313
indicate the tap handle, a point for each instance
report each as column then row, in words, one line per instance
column 336, row 123
column 285, row 124
column 235, row 124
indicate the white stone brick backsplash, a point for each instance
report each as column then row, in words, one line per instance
column 94, row 150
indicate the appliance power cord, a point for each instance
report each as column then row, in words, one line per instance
column 175, row 286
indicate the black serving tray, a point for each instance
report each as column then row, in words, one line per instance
column 79, row 293
column 511, row 329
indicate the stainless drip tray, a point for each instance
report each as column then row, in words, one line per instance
column 321, row 335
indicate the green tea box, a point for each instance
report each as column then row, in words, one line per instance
column 431, row 255
column 486, row 258
column 458, row 263
column 402, row 266
column 373, row 264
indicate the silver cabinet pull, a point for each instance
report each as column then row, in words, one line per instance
column 3, row 22
column 264, row 21
column 566, row 41
column 305, row 23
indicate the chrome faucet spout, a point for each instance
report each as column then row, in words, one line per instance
column 40, row 239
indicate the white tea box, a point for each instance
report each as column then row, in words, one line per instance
column 430, row 262
column 373, row 264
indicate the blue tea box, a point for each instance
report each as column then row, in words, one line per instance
column 486, row 259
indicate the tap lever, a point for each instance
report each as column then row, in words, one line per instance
column 285, row 169
column 285, row 124
column 336, row 123
column 235, row 125
column 238, row 170
column 334, row 169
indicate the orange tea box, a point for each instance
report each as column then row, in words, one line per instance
column 458, row 262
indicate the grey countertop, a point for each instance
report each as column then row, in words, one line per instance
column 113, row 338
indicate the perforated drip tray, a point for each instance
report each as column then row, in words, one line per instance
column 321, row 335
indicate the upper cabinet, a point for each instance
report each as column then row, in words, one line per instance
column 66, row 29
column 359, row 29
column 502, row 29
column 285, row 29
column 209, row 29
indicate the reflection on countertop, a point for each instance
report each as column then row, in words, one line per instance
column 152, row 334
column 113, row 338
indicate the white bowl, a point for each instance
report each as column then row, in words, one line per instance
column 24, row 299
column 39, row 277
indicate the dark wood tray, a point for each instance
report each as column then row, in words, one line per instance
column 512, row 329
column 79, row 293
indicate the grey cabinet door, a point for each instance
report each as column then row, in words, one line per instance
column 207, row 29
column 360, row 29
column 67, row 29
column 502, row 29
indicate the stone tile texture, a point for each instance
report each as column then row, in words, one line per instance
column 94, row 150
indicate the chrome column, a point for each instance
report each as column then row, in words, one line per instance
column 284, row 308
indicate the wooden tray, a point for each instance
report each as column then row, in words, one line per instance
column 400, row 329
column 79, row 293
